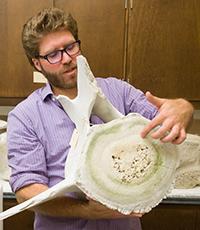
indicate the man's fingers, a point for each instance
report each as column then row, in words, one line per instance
column 137, row 214
column 152, row 124
column 181, row 138
column 163, row 130
column 158, row 102
column 172, row 135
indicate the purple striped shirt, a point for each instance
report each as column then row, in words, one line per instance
column 39, row 132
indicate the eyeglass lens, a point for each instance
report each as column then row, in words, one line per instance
column 56, row 56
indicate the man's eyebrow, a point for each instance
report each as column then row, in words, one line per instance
column 55, row 49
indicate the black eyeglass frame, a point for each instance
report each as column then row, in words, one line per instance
column 62, row 51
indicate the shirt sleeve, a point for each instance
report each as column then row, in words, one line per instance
column 26, row 155
column 126, row 98
column 136, row 101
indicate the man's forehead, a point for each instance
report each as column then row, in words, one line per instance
column 55, row 40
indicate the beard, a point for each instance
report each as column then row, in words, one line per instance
column 57, row 80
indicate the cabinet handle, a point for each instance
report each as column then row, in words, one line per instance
column 131, row 4
column 126, row 4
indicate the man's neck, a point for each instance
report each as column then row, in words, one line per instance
column 70, row 93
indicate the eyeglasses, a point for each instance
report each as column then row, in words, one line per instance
column 57, row 55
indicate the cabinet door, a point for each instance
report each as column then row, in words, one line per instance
column 16, row 78
column 164, row 47
column 23, row 220
column 101, row 30
column 178, row 216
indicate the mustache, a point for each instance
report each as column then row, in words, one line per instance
column 68, row 67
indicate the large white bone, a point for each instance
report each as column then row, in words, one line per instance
column 90, row 99
column 188, row 171
column 110, row 162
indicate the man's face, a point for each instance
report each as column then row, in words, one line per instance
column 62, row 75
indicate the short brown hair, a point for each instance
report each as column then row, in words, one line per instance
column 46, row 21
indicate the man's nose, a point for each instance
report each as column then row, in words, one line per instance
column 66, row 58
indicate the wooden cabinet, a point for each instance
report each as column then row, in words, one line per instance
column 164, row 47
column 172, row 217
column 16, row 80
column 162, row 217
column 23, row 220
column 101, row 29
column 152, row 44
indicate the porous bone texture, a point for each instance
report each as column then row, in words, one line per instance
column 124, row 171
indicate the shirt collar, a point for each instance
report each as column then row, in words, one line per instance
column 47, row 91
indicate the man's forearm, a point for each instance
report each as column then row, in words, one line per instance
column 63, row 207
column 69, row 207
column 60, row 207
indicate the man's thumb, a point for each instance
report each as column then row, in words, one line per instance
column 158, row 102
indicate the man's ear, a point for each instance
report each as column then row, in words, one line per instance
column 37, row 64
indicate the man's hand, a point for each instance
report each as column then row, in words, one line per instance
column 95, row 210
column 173, row 118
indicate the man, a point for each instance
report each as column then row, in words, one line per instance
column 39, row 130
